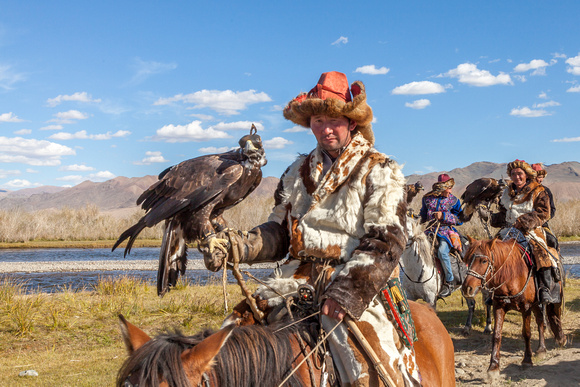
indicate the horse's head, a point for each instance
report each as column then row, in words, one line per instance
column 479, row 260
column 167, row 360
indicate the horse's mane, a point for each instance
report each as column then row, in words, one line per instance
column 421, row 244
column 252, row 355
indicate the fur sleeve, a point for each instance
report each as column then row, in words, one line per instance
column 378, row 253
column 538, row 216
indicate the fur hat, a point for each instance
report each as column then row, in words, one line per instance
column 523, row 166
column 332, row 97
column 540, row 171
column 444, row 181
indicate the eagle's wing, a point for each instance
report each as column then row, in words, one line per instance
column 189, row 185
column 475, row 193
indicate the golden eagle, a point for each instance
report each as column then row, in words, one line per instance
column 191, row 198
column 484, row 191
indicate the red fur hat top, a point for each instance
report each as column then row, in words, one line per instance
column 332, row 97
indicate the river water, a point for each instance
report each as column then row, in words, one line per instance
column 77, row 280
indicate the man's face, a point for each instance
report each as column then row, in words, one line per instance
column 446, row 192
column 539, row 179
column 332, row 133
column 518, row 177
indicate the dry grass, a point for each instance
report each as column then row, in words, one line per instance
column 72, row 338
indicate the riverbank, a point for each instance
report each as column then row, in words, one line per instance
column 97, row 244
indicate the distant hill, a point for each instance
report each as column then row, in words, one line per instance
column 120, row 194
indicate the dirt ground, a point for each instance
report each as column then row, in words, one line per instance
column 558, row 367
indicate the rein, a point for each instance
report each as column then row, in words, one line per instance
column 491, row 268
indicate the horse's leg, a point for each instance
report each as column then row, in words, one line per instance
column 493, row 370
column 554, row 312
column 470, row 311
column 484, row 296
column 527, row 335
column 541, row 328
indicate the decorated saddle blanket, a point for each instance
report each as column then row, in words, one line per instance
column 398, row 311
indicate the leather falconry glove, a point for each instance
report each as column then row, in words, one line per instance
column 266, row 243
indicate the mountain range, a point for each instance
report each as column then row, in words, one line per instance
column 120, row 194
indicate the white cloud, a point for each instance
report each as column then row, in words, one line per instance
column 30, row 170
column 558, row 55
column 521, row 78
column 101, row 176
column 296, row 129
column 76, row 168
column 546, row 104
column 145, row 69
column 20, row 183
column 69, row 117
column 203, row 117
column 78, row 97
column 527, row 112
column 212, row 150
column 71, row 178
column 32, row 152
column 372, row 70
column 538, row 65
column 9, row 117
column 416, row 88
column 543, row 95
column 52, row 127
column 151, row 157
column 277, row 143
column 574, row 63
column 23, row 132
column 190, row 132
column 5, row 173
column 418, row 104
column 574, row 89
column 339, row 41
column 239, row 125
column 8, row 77
column 468, row 73
column 225, row 102
column 83, row 135
column 567, row 139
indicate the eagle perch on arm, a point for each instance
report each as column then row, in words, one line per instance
column 191, row 198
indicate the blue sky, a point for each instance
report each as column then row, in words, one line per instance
column 99, row 89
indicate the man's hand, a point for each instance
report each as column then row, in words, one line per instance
column 438, row 215
column 332, row 309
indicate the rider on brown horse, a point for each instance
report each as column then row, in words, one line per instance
column 524, row 208
column 340, row 214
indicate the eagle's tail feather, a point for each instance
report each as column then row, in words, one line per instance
column 172, row 258
column 131, row 233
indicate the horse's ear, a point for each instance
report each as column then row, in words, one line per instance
column 134, row 337
column 471, row 240
column 201, row 356
column 495, row 239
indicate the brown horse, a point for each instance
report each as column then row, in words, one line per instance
column 500, row 267
column 257, row 355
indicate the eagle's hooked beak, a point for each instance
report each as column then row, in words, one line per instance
column 249, row 147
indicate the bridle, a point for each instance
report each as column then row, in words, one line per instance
column 491, row 271
column 203, row 383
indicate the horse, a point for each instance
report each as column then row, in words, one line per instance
column 263, row 355
column 500, row 267
column 421, row 279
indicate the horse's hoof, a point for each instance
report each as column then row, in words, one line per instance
column 465, row 331
column 493, row 374
column 562, row 342
column 487, row 331
column 527, row 363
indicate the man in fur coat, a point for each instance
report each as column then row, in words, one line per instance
column 524, row 208
column 340, row 215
